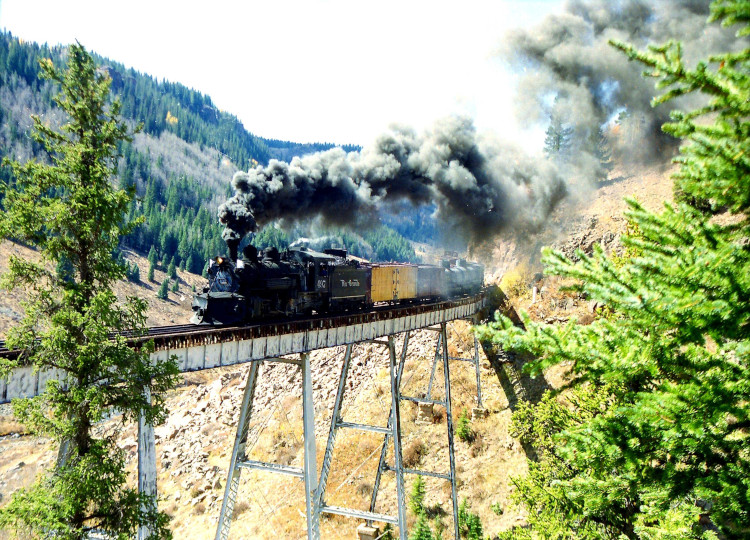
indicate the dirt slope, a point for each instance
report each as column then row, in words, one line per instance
column 598, row 210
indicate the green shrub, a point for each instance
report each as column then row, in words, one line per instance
column 463, row 430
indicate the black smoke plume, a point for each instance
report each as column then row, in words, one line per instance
column 480, row 187
column 571, row 72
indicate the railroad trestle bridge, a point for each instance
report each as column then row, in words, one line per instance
column 204, row 347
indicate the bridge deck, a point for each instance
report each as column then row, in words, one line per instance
column 205, row 347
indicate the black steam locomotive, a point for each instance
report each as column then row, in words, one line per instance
column 300, row 281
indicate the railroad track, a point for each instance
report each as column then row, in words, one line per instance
column 188, row 334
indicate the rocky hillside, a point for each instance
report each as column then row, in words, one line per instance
column 591, row 214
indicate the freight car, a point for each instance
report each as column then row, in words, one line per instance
column 300, row 281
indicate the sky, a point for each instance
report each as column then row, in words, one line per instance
column 338, row 71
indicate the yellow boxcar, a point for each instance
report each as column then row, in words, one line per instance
column 383, row 283
column 393, row 282
column 406, row 284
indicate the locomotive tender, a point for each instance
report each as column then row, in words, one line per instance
column 300, row 281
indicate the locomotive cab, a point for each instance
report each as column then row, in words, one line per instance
column 220, row 302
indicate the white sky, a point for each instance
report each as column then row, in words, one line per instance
column 307, row 70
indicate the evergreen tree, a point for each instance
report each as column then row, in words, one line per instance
column 558, row 140
column 152, row 256
column 172, row 270
column 416, row 500
column 463, row 428
column 421, row 529
column 151, row 273
column 195, row 264
column 603, row 154
column 163, row 292
column 653, row 442
column 469, row 524
column 64, row 269
column 175, row 286
column 134, row 274
column 70, row 210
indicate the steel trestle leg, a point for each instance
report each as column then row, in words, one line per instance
column 384, row 449
column 311, row 474
column 396, row 434
column 449, row 417
column 335, row 419
column 434, row 365
column 146, row 464
column 238, row 454
column 476, row 366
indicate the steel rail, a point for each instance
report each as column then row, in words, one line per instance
column 191, row 334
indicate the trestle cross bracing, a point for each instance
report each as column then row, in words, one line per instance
column 316, row 486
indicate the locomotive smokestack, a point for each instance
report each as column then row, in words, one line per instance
column 480, row 186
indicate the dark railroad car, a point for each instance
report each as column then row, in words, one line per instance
column 430, row 281
column 349, row 286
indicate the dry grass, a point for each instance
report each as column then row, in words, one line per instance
column 413, row 453
column 239, row 508
column 199, row 508
column 477, row 445
column 9, row 426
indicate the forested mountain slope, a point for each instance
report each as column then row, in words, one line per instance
column 181, row 163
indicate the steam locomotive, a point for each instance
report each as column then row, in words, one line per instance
column 299, row 281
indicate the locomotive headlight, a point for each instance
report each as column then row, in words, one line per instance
column 219, row 260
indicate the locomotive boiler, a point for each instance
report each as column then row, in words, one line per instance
column 299, row 281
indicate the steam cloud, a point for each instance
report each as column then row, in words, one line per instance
column 360, row 247
column 573, row 73
column 480, row 186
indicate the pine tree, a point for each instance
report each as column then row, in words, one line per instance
column 70, row 210
column 469, row 524
column 64, row 269
column 603, row 154
column 135, row 274
column 558, row 140
column 421, row 529
column 416, row 500
column 163, row 292
column 175, row 286
column 151, row 278
column 152, row 256
column 463, row 428
column 653, row 442
column 172, row 270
